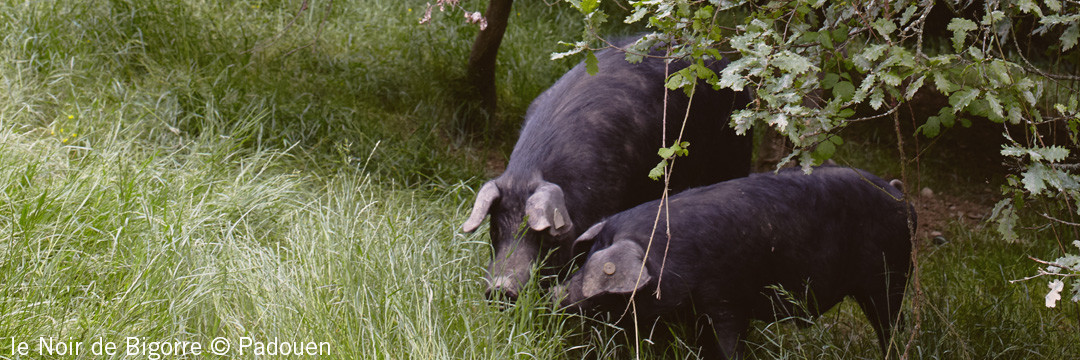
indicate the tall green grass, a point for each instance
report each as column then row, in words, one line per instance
column 191, row 170
column 187, row 170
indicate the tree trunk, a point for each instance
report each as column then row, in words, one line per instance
column 481, row 71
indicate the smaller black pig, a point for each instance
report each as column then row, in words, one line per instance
column 820, row 237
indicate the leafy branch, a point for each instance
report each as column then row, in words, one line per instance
column 814, row 67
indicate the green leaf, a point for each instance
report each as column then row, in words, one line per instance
column 702, row 72
column 780, row 121
column 942, row 60
column 826, row 148
column 587, row 6
column 960, row 28
column 1026, row 85
column 666, row 153
column 943, row 84
column 914, row 87
column 1035, row 179
column 825, row 39
column 995, row 106
column 931, row 128
column 1028, row 7
column 976, row 53
column 1070, row 36
column 637, row 15
column 658, row 170
column 864, row 60
column 909, row 13
column 877, row 98
column 577, row 47
column 999, row 69
column 683, row 149
column 1006, row 218
column 947, row 117
column 678, row 149
column 591, row 66
column 678, row 80
column 961, row 99
column 829, row 80
column 642, row 46
column 742, row 120
column 846, row 113
column 684, row 10
column 1015, row 114
column 993, row 17
column 840, row 34
column 596, row 18
column 981, row 107
column 1054, row 5
column 704, row 12
column 824, row 151
column 844, row 90
column 884, row 27
column 890, row 78
column 864, row 89
column 1051, row 154
column 714, row 53
column 792, row 62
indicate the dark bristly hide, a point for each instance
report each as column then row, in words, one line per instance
column 739, row 250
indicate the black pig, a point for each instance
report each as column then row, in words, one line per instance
column 837, row 232
column 584, row 153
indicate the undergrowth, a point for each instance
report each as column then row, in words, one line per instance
column 188, row 170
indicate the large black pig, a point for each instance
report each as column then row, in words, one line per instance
column 837, row 232
column 585, row 152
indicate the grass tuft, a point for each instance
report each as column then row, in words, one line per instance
column 185, row 170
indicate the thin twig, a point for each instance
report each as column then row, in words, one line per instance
column 877, row 116
column 1035, row 69
column 916, row 301
column 1075, row 271
column 1066, row 166
column 1051, row 218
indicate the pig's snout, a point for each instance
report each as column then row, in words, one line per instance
column 559, row 296
column 502, row 288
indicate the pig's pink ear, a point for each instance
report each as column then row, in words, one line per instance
column 585, row 241
column 896, row 183
column 617, row 269
column 546, row 209
column 487, row 195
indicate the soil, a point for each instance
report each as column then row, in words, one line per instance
column 938, row 210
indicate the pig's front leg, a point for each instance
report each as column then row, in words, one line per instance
column 720, row 333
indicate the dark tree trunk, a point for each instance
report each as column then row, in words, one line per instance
column 481, row 71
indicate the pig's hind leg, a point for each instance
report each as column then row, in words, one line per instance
column 883, row 311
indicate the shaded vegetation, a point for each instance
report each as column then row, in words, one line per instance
column 183, row 170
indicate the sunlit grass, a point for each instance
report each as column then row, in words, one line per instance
column 188, row 170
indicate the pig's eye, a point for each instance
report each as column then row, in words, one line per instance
column 609, row 268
